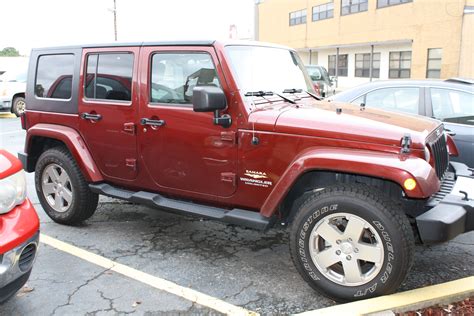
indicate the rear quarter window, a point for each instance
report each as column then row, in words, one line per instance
column 54, row 76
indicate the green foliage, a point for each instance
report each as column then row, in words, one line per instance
column 9, row 52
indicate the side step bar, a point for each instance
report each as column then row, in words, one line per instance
column 234, row 216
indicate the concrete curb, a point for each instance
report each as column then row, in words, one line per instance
column 404, row 301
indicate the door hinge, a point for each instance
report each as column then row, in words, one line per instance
column 229, row 137
column 228, row 177
column 131, row 163
column 129, row 128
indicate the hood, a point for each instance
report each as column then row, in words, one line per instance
column 321, row 119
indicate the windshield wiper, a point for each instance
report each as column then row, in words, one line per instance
column 258, row 93
column 268, row 93
column 293, row 91
column 317, row 97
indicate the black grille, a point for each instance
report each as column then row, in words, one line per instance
column 27, row 257
column 440, row 155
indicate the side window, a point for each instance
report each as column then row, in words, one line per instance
column 109, row 76
column 54, row 76
column 174, row 76
column 359, row 100
column 395, row 99
column 453, row 106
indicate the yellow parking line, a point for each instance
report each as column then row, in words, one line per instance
column 429, row 295
column 151, row 280
column 7, row 115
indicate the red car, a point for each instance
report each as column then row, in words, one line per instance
column 19, row 227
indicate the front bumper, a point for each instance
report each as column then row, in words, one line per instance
column 15, row 267
column 5, row 104
column 453, row 214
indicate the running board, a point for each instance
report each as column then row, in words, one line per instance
column 234, row 216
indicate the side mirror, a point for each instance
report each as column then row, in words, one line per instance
column 208, row 99
column 211, row 99
column 332, row 79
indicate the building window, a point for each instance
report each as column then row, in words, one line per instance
column 433, row 67
column 341, row 65
column 387, row 3
column 298, row 17
column 323, row 11
column 362, row 65
column 400, row 65
column 353, row 6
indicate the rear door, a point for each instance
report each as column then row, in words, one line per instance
column 184, row 153
column 108, row 103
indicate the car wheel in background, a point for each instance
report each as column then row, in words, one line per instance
column 18, row 106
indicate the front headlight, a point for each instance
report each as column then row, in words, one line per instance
column 12, row 191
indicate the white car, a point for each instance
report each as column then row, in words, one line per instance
column 12, row 91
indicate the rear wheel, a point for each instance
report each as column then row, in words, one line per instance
column 350, row 243
column 62, row 189
column 18, row 106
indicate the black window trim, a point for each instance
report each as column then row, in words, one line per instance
column 36, row 78
column 350, row 13
column 392, row 5
column 86, row 100
column 150, row 65
column 399, row 69
column 428, row 62
column 338, row 64
column 373, row 68
column 301, row 10
column 320, row 5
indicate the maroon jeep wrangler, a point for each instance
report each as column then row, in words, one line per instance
column 234, row 132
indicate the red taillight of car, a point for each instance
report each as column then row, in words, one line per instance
column 23, row 120
column 316, row 88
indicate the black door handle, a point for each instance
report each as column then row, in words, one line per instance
column 152, row 123
column 92, row 117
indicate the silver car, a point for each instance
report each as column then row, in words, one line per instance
column 12, row 91
column 451, row 101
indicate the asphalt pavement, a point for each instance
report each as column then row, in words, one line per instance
column 243, row 267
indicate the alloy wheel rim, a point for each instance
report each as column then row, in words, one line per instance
column 346, row 249
column 20, row 107
column 57, row 187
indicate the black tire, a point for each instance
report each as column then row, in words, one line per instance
column 18, row 106
column 384, row 217
column 84, row 201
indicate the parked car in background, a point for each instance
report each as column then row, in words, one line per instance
column 19, row 227
column 12, row 91
column 451, row 101
column 320, row 77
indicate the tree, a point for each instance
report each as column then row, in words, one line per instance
column 9, row 52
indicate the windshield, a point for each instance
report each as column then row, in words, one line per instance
column 14, row 76
column 268, row 69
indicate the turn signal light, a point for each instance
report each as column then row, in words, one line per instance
column 409, row 184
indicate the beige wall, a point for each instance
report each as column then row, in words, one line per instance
column 428, row 23
column 466, row 62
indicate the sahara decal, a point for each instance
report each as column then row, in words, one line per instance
column 256, row 178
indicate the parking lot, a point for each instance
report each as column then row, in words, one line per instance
column 243, row 267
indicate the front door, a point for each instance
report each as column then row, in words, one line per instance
column 182, row 150
column 107, row 108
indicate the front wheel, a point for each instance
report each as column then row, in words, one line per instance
column 350, row 243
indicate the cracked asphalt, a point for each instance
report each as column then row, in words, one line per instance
column 241, row 266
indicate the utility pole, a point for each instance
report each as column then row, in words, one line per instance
column 115, row 19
